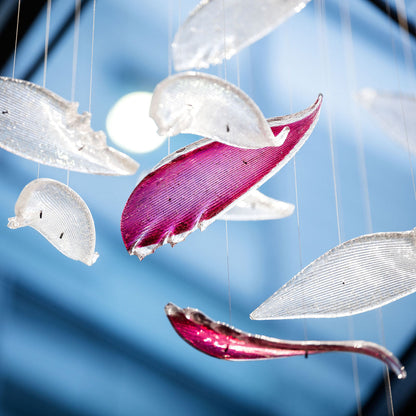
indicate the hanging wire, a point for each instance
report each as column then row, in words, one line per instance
column 402, row 19
column 352, row 86
column 327, row 74
column 228, row 268
column 305, row 329
column 225, row 40
column 170, row 40
column 75, row 48
column 92, row 54
column 17, row 35
column 48, row 24
column 226, row 222
column 75, row 59
column 45, row 58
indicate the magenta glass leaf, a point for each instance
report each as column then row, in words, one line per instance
column 227, row 343
column 192, row 186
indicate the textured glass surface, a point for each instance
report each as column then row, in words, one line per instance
column 256, row 206
column 201, row 40
column 206, row 105
column 60, row 215
column 356, row 276
column 225, row 342
column 192, row 186
column 395, row 113
column 39, row 125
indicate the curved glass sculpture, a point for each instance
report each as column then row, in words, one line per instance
column 394, row 112
column 218, row 29
column 227, row 343
column 39, row 125
column 191, row 187
column 60, row 215
column 208, row 106
column 256, row 206
column 359, row 275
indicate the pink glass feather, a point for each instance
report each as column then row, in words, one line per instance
column 227, row 343
column 192, row 186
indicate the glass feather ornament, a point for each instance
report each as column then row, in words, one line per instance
column 208, row 106
column 222, row 341
column 191, row 187
column 60, row 215
column 256, row 206
column 218, row 29
column 359, row 275
column 39, row 125
column 394, row 112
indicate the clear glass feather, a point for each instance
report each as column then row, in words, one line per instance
column 218, row 29
column 60, row 215
column 39, row 125
column 395, row 113
column 256, row 206
column 359, row 275
column 203, row 180
column 222, row 341
column 208, row 106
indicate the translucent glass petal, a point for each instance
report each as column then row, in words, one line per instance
column 192, row 186
column 60, row 215
column 208, row 106
column 201, row 40
column 256, row 206
column 227, row 343
column 41, row 126
column 395, row 113
column 356, row 276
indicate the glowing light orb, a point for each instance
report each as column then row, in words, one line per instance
column 129, row 125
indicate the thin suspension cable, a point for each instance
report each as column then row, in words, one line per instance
column 324, row 42
column 75, row 59
column 297, row 212
column 228, row 268
column 48, row 24
column 75, row 48
column 226, row 222
column 15, row 40
column 401, row 12
column 92, row 54
column 305, row 329
column 45, row 58
column 346, row 25
column 386, row 373
column 355, row 375
column 225, row 42
column 170, row 39
column 352, row 86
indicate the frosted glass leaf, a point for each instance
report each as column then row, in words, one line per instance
column 359, row 275
column 39, row 125
column 394, row 112
column 208, row 106
column 201, row 41
column 227, row 343
column 256, row 206
column 60, row 215
column 191, row 187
